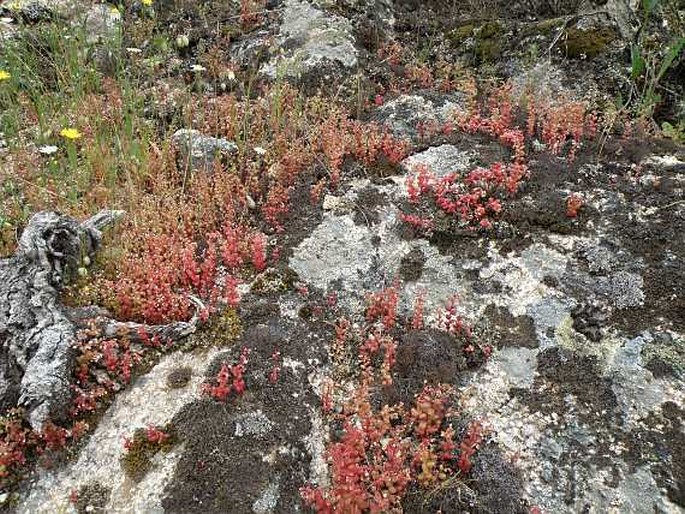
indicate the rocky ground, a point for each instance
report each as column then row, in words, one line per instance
column 575, row 361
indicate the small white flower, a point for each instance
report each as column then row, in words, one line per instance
column 182, row 41
column 230, row 75
column 134, row 50
column 259, row 150
column 48, row 149
column 196, row 68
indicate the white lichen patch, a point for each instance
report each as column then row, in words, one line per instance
column 341, row 256
column 254, row 424
column 636, row 389
column 337, row 251
column 148, row 401
column 267, row 502
column 316, row 442
column 521, row 276
column 441, row 160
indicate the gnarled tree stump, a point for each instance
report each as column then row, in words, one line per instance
column 38, row 333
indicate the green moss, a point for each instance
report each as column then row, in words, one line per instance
column 487, row 36
column 137, row 460
column 488, row 50
column 541, row 28
column 490, row 30
column 567, row 337
column 460, row 34
column 223, row 330
column 589, row 43
column 489, row 42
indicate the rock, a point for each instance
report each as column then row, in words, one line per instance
column 316, row 45
column 441, row 160
column 198, row 152
column 32, row 11
column 102, row 24
column 406, row 114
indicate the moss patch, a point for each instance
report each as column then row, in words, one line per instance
column 226, row 329
column 460, row 34
column 488, row 40
column 92, row 498
column 179, row 377
column 137, row 460
column 274, row 281
column 665, row 355
column 589, row 43
column 411, row 265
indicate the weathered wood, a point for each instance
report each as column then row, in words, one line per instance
column 37, row 333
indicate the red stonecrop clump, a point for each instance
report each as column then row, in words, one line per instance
column 561, row 124
column 183, row 237
column 474, row 198
column 19, row 442
column 478, row 196
column 103, row 366
column 155, row 435
column 156, row 283
column 385, row 449
column 368, row 143
column 469, row 445
column 383, row 306
column 574, row 202
column 229, row 379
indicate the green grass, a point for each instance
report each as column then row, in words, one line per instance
column 55, row 82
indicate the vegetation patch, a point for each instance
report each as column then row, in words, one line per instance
column 143, row 446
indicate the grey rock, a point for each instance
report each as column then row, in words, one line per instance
column 405, row 114
column 623, row 288
column 315, row 44
column 441, row 160
column 198, row 152
column 102, row 24
column 268, row 501
column 254, row 424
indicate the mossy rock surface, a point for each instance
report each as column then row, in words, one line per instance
column 488, row 40
column 588, row 43
column 137, row 460
column 460, row 34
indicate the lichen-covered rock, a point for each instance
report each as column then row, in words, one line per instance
column 441, row 160
column 316, row 45
column 102, row 24
column 198, row 152
column 406, row 114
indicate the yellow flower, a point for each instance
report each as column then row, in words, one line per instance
column 147, row 3
column 70, row 133
column 4, row 75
